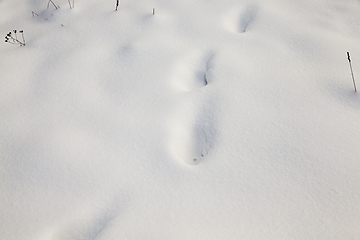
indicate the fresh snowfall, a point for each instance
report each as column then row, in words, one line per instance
column 180, row 120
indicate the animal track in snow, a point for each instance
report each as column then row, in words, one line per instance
column 240, row 21
column 192, row 127
column 248, row 16
column 87, row 226
column 193, row 71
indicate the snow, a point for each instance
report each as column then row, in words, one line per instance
column 208, row 120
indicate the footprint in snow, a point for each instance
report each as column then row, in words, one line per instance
column 193, row 130
column 192, row 127
column 88, row 225
column 193, row 71
column 240, row 21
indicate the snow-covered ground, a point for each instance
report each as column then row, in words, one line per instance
column 212, row 119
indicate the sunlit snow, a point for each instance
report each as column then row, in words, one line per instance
column 209, row 119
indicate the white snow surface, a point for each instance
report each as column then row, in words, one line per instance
column 212, row 119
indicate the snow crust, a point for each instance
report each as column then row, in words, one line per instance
column 212, row 119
